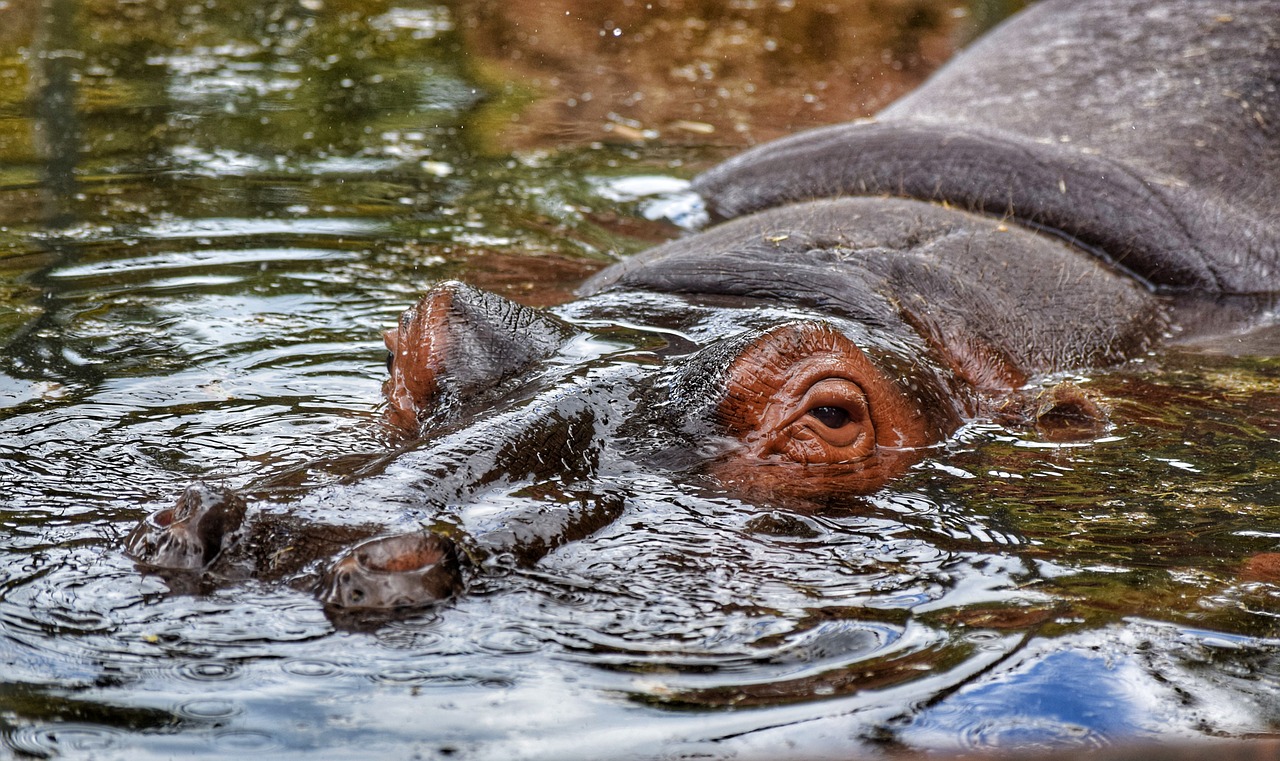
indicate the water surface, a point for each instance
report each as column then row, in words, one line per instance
column 210, row 210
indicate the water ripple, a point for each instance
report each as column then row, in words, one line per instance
column 202, row 259
column 208, row 671
column 65, row 738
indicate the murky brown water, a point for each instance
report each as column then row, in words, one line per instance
column 209, row 211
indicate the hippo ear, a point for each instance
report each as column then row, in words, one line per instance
column 459, row 341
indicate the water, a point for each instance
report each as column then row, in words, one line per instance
column 209, row 211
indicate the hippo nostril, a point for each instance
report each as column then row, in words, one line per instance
column 393, row 572
column 391, row 360
column 190, row 535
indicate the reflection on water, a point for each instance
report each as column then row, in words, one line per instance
column 209, row 210
column 704, row 72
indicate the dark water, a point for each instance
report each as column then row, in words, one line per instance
column 209, row 211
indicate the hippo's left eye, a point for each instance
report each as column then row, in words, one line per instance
column 838, row 406
column 830, row 422
column 804, row 394
column 831, row 417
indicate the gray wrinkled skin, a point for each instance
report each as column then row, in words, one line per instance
column 1147, row 131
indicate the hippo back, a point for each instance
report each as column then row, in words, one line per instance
column 1146, row 131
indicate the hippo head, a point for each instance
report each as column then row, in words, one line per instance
column 753, row 399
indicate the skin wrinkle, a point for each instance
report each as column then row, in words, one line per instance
column 846, row 155
column 773, row 382
column 771, row 462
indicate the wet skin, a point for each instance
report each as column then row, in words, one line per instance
column 825, row 338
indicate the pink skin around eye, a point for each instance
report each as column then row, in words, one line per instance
column 776, row 383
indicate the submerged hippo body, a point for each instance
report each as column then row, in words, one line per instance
column 1082, row 183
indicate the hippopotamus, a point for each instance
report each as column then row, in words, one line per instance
column 1091, row 179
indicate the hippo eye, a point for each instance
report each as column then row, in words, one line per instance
column 831, row 417
column 804, row 393
column 391, row 360
column 814, row 415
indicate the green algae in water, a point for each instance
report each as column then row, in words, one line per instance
column 1171, row 514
